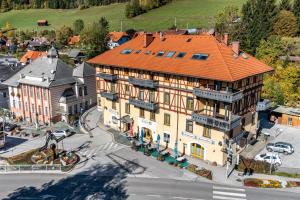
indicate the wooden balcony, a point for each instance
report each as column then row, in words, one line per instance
column 143, row 83
column 108, row 77
column 224, row 96
column 151, row 106
column 113, row 96
column 218, row 121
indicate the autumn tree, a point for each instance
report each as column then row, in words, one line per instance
column 63, row 34
column 285, row 24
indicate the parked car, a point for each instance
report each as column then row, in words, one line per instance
column 9, row 127
column 60, row 133
column 270, row 158
column 281, row 147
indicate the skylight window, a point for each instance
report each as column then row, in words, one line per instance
column 126, row 51
column 200, row 56
column 138, row 51
column 180, row 55
column 170, row 54
column 160, row 53
column 147, row 52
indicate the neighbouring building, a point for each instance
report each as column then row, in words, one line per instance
column 286, row 116
column 48, row 90
column 193, row 90
column 31, row 56
column 74, row 40
column 42, row 22
column 77, row 55
column 117, row 39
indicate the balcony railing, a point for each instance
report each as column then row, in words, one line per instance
column 152, row 106
column 68, row 99
column 108, row 77
column 224, row 96
column 218, row 121
column 109, row 95
column 143, row 83
column 263, row 105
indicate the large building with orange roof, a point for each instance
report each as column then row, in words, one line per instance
column 197, row 93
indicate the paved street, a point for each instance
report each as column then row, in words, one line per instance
column 108, row 170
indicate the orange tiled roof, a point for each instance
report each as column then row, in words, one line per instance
column 116, row 36
column 221, row 63
column 74, row 40
column 32, row 55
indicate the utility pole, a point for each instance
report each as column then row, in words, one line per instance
column 121, row 26
column 175, row 22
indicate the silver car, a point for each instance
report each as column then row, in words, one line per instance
column 281, row 147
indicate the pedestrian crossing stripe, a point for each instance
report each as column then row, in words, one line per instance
column 228, row 193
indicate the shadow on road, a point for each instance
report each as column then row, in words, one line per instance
column 12, row 142
column 100, row 182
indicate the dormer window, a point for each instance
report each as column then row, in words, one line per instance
column 170, row 54
column 160, row 53
column 126, row 51
column 200, row 56
column 180, row 55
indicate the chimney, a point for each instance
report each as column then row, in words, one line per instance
column 225, row 39
column 161, row 35
column 236, row 47
column 148, row 37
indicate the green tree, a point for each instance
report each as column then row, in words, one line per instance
column 257, row 22
column 78, row 26
column 4, row 6
column 95, row 37
column 285, row 24
column 227, row 21
column 296, row 10
column 269, row 50
column 285, row 5
column 62, row 35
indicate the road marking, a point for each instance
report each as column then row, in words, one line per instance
column 227, row 198
column 186, row 198
column 229, row 194
column 227, row 188
column 153, row 195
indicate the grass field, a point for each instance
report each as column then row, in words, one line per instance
column 188, row 13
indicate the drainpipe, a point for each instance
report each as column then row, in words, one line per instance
column 178, row 104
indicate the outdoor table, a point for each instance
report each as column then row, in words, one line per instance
column 180, row 159
column 165, row 152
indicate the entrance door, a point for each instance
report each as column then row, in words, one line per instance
column 148, row 134
column 197, row 150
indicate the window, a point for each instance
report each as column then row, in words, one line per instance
column 32, row 108
column 138, row 51
column 45, row 94
column 85, row 90
column 253, row 118
column 127, row 108
column 38, row 94
column 46, row 110
column 167, row 98
column 166, row 137
column 69, row 110
column 86, row 105
column 141, row 95
column 4, row 94
column 167, row 119
column 152, row 116
column 142, row 113
column 113, row 105
column 75, row 109
column 189, row 103
column 180, row 55
column 200, row 56
column 39, row 110
column 190, row 81
column 20, row 105
column 126, row 72
column 24, row 90
column 126, row 51
column 160, row 53
column 290, row 121
column 80, row 91
column 113, row 87
column 189, row 126
column 127, row 91
column 151, row 96
column 147, row 52
column 26, row 106
column 206, row 132
column 80, row 107
column 31, row 91
column 167, row 78
column 170, row 54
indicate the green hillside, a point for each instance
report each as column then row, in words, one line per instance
column 188, row 13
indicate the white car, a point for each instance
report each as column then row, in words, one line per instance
column 270, row 158
column 60, row 133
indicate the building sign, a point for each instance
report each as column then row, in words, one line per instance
column 114, row 116
column 198, row 138
column 144, row 123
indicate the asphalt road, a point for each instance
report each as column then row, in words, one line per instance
column 47, row 186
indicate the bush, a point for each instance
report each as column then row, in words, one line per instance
column 204, row 173
column 192, row 168
column 161, row 157
column 256, row 166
